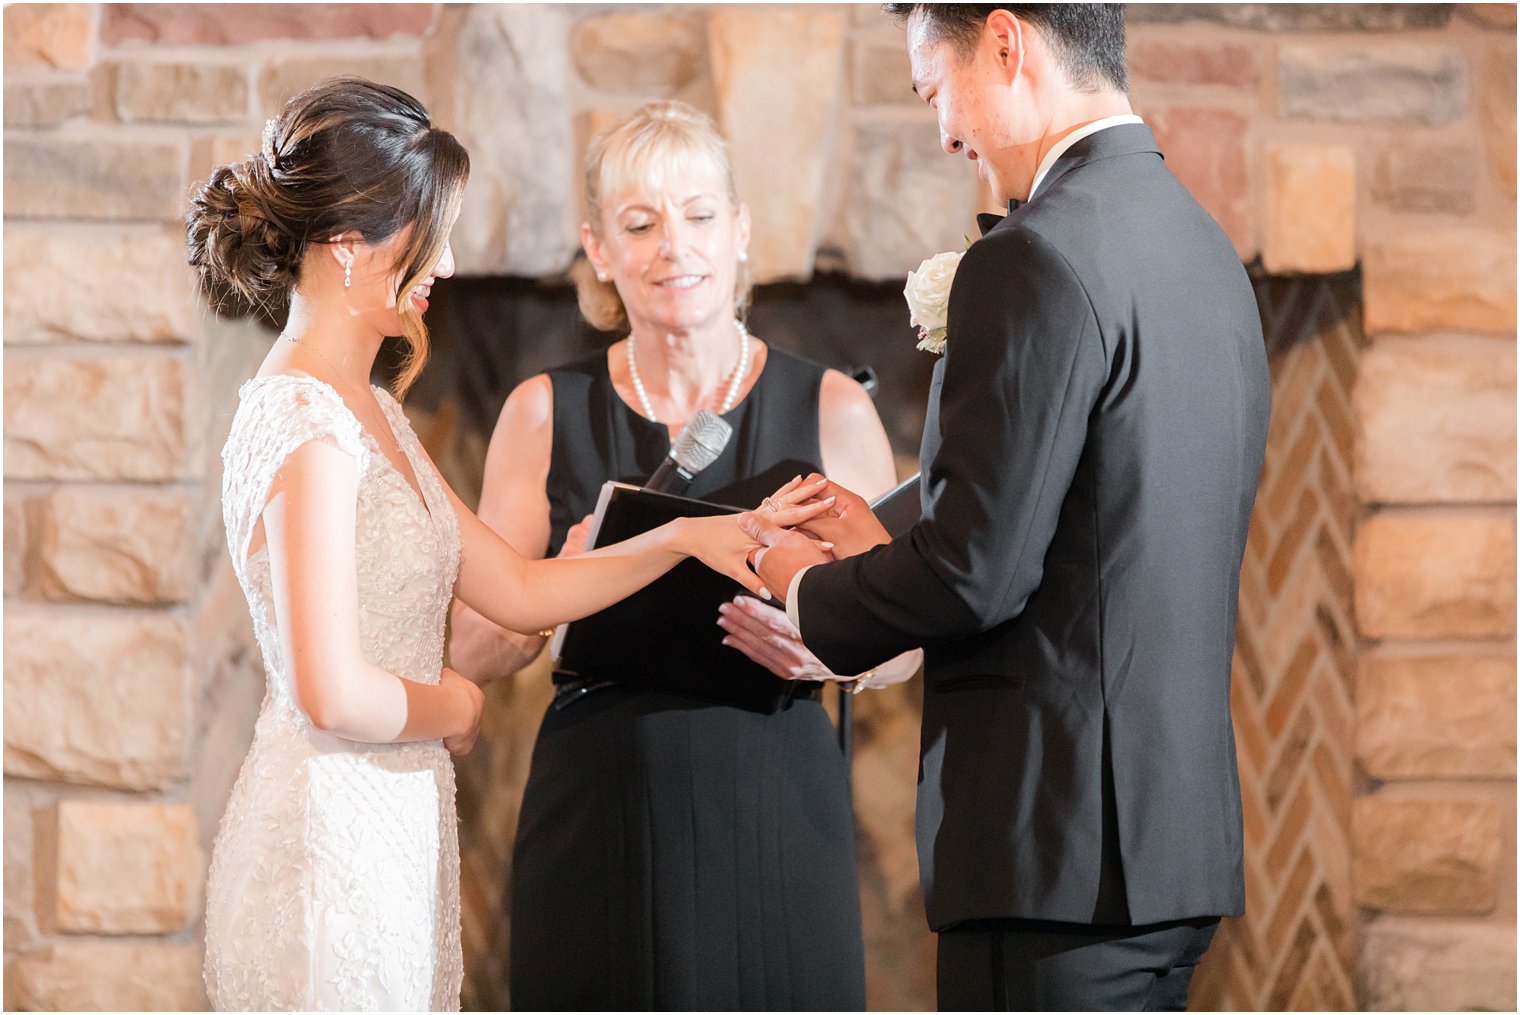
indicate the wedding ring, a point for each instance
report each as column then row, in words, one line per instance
column 769, row 504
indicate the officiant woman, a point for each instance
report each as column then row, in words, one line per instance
column 677, row 850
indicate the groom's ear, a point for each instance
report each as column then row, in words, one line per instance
column 1006, row 35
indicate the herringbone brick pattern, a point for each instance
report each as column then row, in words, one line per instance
column 1294, row 672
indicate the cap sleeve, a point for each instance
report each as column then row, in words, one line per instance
column 276, row 415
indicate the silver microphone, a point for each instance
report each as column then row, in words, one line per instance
column 697, row 446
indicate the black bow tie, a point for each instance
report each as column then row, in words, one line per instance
column 986, row 220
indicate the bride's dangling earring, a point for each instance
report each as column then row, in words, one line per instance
column 348, row 273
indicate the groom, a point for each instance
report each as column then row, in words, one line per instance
column 1094, row 436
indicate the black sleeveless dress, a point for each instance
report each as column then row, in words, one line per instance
column 675, row 852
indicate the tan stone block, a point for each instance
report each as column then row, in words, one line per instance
column 181, row 92
column 175, row 24
column 45, row 103
column 1207, row 151
column 97, row 284
column 20, row 873
column 108, row 976
column 1436, row 716
column 1382, row 83
column 1292, row 18
column 211, row 151
column 282, row 80
column 769, row 127
column 49, row 35
column 121, row 180
column 1425, row 177
column 1419, row 965
column 117, row 545
column 1500, row 16
column 885, row 237
column 110, row 418
column 1496, row 110
column 516, row 117
column 96, row 697
column 1437, row 420
column 1439, row 278
column 127, row 868
column 15, row 547
column 640, row 53
column 881, row 76
column 1426, row 856
column 1311, row 209
column 1436, row 574
column 1171, row 62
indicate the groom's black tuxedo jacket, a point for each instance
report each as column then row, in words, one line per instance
column 1094, row 436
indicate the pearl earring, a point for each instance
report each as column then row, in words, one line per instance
column 348, row 274
column 601, row 276
column 743, row 256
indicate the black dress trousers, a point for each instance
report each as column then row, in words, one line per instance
column 1038, row 965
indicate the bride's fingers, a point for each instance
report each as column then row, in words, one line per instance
column 798, row 494
column 797, row 514
column 788, row 487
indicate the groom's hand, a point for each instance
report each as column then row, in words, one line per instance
column 850, row 524
column 783, row 552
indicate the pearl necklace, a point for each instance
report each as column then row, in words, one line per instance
column 740, row 372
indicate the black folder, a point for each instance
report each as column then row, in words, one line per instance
column 666, row 635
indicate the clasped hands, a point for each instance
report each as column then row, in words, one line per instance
column 842, row 526
column 810, row 520
column 845, row 528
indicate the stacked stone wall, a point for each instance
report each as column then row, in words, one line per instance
column 1372, row 142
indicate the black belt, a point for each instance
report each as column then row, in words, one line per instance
column 570, row 688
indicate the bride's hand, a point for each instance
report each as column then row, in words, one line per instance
column 472, row 703
column 798, row 492
column 719, row 543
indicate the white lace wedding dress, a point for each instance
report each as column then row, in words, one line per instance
column 334, row 881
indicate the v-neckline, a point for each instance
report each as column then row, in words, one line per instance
column 416, row 491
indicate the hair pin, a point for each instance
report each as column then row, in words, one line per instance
column 268, row 148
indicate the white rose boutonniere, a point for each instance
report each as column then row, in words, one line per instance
column 928, row 296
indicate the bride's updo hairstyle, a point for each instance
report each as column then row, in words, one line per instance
column 346, row 156
column 651, row 146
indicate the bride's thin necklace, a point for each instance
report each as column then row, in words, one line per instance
column 740, row 372
column 338, row 374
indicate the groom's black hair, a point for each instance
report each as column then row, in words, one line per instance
column 1088, row 39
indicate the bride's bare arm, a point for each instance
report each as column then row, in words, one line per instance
column 514, row 503
column 309, row 527
column 528, row 595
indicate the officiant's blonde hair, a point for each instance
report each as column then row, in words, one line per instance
column 649, row 146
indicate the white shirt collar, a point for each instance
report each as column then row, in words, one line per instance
column 1072, row 138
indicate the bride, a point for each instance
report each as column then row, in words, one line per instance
column 334, row 880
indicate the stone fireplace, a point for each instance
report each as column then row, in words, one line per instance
column 1360, row 157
